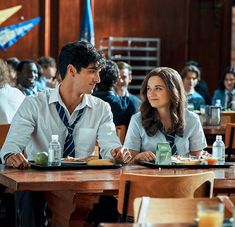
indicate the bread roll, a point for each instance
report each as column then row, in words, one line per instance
column 100, row 162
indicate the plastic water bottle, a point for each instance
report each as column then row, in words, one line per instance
column 218, row 150
column 218, row 103
column 54, row 151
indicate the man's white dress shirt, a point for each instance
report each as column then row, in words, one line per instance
column 37, row 119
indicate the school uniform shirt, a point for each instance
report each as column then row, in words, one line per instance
column 219, row 94
column 122, row 107
column 134, row 99
column 192, row 140
column 41, row 84
column 10, row 100
column 196, row 99
column 28, row 91
column 37, row 119
column 223, row 96
column 232, row 99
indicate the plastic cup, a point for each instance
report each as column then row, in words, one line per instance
column 210, row 214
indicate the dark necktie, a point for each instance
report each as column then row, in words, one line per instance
column 230, row 100
column 69, row 143
column 170, row 138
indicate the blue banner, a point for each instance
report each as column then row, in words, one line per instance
column 87, row 28
column 11, row 34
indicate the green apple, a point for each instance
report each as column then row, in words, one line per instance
column 41, row 158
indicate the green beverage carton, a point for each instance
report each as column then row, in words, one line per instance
column 163, row 154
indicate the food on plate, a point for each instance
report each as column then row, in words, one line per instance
column 211, row 160
column 186, row 160
column 85, row 159
column 101, row 162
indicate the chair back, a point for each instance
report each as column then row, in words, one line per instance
column 132, row 186
column 3, row 133
column 177, row 210
column 121, row 132
column 230, row 139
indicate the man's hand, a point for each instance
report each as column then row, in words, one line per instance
column 121, row 154
column 17, row 160
column 145, row 156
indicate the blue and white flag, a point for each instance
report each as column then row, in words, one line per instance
column 11, row 34
column 87, row 28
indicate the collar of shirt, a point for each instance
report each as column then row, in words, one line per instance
column 55, row 97
column 227, row 91
column 190, row 93
column 127, row 93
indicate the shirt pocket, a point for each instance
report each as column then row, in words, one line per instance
column 84, row 141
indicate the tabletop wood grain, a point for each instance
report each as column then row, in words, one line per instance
column 71, row 192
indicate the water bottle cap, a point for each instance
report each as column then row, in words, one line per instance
column 218, row 101
column 218, row 137
column 54, row 137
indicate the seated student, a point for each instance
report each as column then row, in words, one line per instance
column 121, row 87
column 122, row 107
column 226, row 90
column 163, row 118
column 27, row 75
column 12, row 64
column 71, row 112
column 201, row 86
column 79, row 66
column 190, row 76
column 10, row 97
column 47, row 79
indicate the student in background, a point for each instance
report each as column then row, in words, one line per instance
column 10, row 97
column 122, row 107
column 12, row 64
column 201, row 86
column 163, row 118
column 27, row 75
column 121, row 87
column 48, row 77
column 226, row 91
column 190, row 76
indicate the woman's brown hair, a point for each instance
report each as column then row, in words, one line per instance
column 4, row 73
column 174, row 85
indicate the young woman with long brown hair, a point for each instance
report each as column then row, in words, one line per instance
column 163, row 117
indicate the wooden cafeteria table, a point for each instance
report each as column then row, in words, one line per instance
column 71, row 193
column 214, row 130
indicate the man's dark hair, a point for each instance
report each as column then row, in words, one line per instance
column 46, row 61
column 226, row 71
column 109, row 75
column 21, row 64
column 190, row 68
column 80, row 54
column 194, row 63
